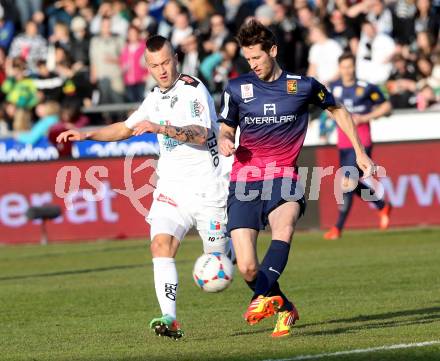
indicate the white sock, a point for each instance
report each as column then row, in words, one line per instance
column 166, row 282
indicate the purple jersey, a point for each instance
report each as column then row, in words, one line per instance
column 273, row 118
column 360, row 98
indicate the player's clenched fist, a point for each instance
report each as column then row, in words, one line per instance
column 366, row 164
column 70, row 135
column 226, row 147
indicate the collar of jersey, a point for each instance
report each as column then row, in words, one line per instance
column 172, row 86
column 281, row 77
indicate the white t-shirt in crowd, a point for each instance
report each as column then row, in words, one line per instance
column 373, row 59
column 325, row 58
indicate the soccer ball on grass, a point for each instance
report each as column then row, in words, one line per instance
column 213, row 272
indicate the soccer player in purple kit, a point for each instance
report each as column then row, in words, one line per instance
column 367, row 103
column 270, row 106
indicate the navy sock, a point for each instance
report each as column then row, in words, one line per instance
column 276, row 291
column 252, row 284
column 379, row 203
column 344, row 209
column 272, row 266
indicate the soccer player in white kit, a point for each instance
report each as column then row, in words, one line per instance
column 191, row 190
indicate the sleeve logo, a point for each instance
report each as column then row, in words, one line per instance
column 196, row 108
column 321, row 95
column 291, row 86
column 374, row 96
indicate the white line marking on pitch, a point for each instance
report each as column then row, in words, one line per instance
column 362, row 350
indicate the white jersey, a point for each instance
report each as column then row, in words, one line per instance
column 184, row 167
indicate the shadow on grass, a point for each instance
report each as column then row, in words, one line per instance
column 72, row 272
column 382, row 320
column 364, row 322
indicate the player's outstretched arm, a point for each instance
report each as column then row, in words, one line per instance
column 194, row 134
column 345, row 122
column 379, row 111
column 226, row 140
column 110, row 133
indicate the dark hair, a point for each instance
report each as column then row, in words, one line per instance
column 156, row 42
column 253, row 33
column 19, row 63
column 345, row 56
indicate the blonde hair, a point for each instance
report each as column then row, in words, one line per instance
column 52, row 107
column 22, row 119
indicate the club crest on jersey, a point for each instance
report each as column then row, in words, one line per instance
column 173, row 101
column 291, row 86
column 359, row 91
column 247, row 91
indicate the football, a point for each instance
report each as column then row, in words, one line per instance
column 213, row 272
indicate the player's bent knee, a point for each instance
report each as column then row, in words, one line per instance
column 248, row 270
column 163, row 246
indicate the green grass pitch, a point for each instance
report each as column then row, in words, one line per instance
column 93, row 301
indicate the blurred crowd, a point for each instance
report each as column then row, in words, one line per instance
column 57, row 57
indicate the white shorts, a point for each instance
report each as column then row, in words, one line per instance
column 177, row 214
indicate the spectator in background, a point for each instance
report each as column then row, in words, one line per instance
column 305, row 20
column 2, row 72
column 7, row 30
column 181, row 29
column 426, row 98
column 170, row 12
column 217, row 35
column 190, row 62
column 289, row 32
column 201, row 11
column 88, row 13
column 424, row 43
column 49, row 84
column 423, row 18
column 424, row 67
column 62, row 11
column 375, row 12
column 143, row 20
column 403, row 12
column 59, row 39
column 231, row 10
column 265, row 14
column 119, row 25
column 48, row 113
column 21, row 95
column 80, row 41
column 105, row 70
column 373, row 61
column 430, row 75
column 26, row 8
column 342, row 33
column 133, row 66
column 401, row 84
column 380, row 16
column 323, row 55
column 70, row 118
column 30, row 46
column 77, row 86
